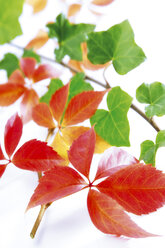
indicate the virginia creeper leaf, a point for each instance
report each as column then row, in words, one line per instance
column 28, row 66
column 109, row 217
column 81, row 152
column 44, row 72
column 2, row 157
column 10, row 63
column 38, row 41
column 154, row 95
column 9, row 25
column 57, row 183
column 35, row 155
column 70, row 37
column 117, row 45
column 54, row 85
column 148, row 152
column 17, row 78
column 13, row 133
column 113, row 125
column 82, row 107
column 138, row 188
column 2, row 169
column 30, row 53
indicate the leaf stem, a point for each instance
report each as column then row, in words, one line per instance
column 107, row 86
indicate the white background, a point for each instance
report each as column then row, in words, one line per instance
column 67, row 223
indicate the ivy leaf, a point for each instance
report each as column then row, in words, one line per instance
column 9, row 25
column 70, row 37
column 54, row 85
column 136, row 195
column 117, row 45
column 113, row 125
column 160, row 138
column 30, row 53
column 10, row 63
column 154, row 95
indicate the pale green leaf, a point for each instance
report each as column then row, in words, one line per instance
column 148, row 152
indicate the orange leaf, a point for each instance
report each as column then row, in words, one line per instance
column 16, row 78
column 9, row 93
column 102, row 2
column 39, row 41
column 42, row 116
column 44, row 72
column 28, row 66
column 82, row 107
column 37, row 5
column 138, row 188
column 101, row 144
column 29, row 100
column 109, row 217
column 76, row 65
column 58, row 102
column 73, row 9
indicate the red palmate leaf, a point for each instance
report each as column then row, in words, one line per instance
column 44, row 72
column 2, row 157
column 30, row 99
column 42, row 116
column 139, row 188
column 113, row 160
column 35, row 155
column 13, row 133
column 58, row 102
column 109, row 217
column 82, row 150
column 82, row 107
column 57, row 183
column 102, row 2
column 16, row 78
column 2, row 169
column 9, row 93
column 28, row 66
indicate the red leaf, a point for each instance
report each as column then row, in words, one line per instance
column 102, row 2
column 13, row 133
column 44, row 72
column 81, row 152
column 28, row 66
column 108, row 216
column 2, row 157
column 57, row 183
column 112, row 161
column 2, row 169
column 139, row 188
column 30, row 99
column 9, row 93
column 35, row 155
column 82, row 107
column 42, row 116
column 16, row 78
column 58, row 102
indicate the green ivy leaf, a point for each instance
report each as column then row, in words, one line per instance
column 113, row 125
column 54, row 85
column 70, row 37
column 9, row 25
column 160, row 138
column 32, row 54
column 154, row 95
column 117, row 45
column 10, row 63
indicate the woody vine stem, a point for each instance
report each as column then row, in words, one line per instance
column 50, row 131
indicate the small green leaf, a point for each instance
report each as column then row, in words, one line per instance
column 70, row 37
column 113, row 125
column 9, row 25
column 10, row 63
column 148, row 152
column 117, row 45
column 154, row 95
column 54, row 85
column 160, row 138
column 32, row 54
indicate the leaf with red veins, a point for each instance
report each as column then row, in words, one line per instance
column 9, row 93
column 27, row 65
column 13, row 133
column 82, row 150
column 2, row 169
column 57, row 183
column 109, row 217
column 44, row 72
column 42, row 116
column 102, row 2
column 58, row 102
column 30, row 99
column 82, row 107
column 113, row 160
column 36, row 155
column 138, row 188
column 16, row 78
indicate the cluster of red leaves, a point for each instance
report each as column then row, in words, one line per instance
column 33, row 155
column 126, row 184
column 17, row 86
